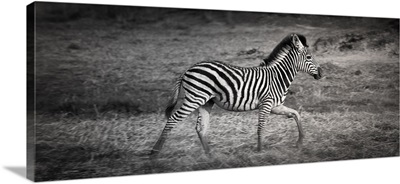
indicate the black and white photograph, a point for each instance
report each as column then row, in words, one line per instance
column 118, row 90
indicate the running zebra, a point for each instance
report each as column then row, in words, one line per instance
column 236, row 88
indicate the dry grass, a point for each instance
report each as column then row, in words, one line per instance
column 101, row 89
column 76, row 148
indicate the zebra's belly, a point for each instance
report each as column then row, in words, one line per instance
column 236, row 105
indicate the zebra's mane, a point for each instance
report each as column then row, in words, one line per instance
column 282, row 49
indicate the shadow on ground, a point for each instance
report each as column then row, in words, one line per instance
column 18, row 170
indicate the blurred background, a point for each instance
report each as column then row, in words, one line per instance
column 126, row 58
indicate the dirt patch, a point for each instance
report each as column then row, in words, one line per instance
column 371, row 41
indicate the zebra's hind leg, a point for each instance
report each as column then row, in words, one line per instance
column 161, row 140
column 203, row 124
column 291, row 113
column 175, row 118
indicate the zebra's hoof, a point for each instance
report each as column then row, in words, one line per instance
column 154, row 152
column 209, row 155
column 299, row 145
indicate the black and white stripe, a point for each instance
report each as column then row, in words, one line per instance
column 239, row 88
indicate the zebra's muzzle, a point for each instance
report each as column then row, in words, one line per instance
column 319, row 74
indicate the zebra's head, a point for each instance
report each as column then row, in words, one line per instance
column 306, row 61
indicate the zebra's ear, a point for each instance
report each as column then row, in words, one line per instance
column 297, row 43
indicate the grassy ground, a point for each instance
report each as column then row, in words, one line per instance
column 101, row 87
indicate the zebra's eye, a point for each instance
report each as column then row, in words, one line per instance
column 308, row 57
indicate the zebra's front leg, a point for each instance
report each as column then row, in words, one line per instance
column 202, row 125
column 264, row 110
column 291, row 113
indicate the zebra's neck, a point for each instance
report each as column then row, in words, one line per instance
column 283, row 73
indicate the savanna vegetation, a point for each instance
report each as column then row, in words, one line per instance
column 104, row 74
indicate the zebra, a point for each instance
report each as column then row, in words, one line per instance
column 235, row 88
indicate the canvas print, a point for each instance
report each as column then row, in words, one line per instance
column 129, row 90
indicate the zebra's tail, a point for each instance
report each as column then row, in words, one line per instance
column 174, row 97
